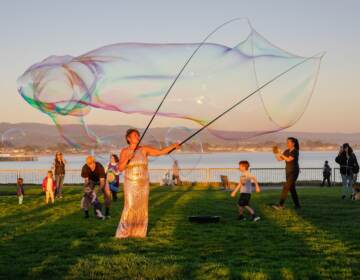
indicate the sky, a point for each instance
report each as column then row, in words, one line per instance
column 32, row 30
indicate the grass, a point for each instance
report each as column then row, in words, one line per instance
column 321, row 241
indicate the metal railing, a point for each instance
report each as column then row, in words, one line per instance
column 199, row 175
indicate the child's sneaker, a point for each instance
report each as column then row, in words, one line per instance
column 254, row 218
column 99, row 215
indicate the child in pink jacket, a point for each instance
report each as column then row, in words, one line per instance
column 49, row 187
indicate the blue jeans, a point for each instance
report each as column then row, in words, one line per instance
column 347, row 183
column 59, row 179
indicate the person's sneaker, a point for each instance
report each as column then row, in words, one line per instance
column 86, row 214
column 255, row 218
column 343, row 196
column 241, row 218
column 277, row 207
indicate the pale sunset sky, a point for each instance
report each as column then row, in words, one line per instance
column 33, row 30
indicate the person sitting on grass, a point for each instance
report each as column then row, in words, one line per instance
column 245, row 187
column 90, row 198
column 49, row 186
column 20, row 190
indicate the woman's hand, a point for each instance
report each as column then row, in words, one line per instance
column 175, row 146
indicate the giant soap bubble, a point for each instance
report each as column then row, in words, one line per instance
column 132, row 78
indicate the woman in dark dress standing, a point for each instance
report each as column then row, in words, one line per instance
column 291, row 158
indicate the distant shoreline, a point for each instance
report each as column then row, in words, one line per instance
column 212, row 151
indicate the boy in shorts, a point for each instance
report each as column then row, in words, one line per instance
column 245, row 187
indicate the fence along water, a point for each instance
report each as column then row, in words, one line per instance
column 198, row 175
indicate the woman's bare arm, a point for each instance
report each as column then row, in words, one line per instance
column 151, row 151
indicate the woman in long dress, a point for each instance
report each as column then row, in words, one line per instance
column 134, row 217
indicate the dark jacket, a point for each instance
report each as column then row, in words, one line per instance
column 348, row 165
column 59, row 167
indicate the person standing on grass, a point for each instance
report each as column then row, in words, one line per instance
column 20, row 190
column 59, row 170
column 49, row 186
column 245, row 187
column 94, row 174
column 326, row 174
column 113, row 176
column 292, row 170
column 176, row 173
column 349, row 168
column 134, row 163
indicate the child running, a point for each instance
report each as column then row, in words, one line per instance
column 49, row 187
column 20, row 190
column 245, row 187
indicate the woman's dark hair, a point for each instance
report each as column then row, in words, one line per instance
column 295, row 142
column 350, row 150
column 115, row 157
column 129, row 131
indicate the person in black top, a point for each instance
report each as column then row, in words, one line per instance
column 349, row 168
column 94, row 174
column 326, row 174
column 59, row 171
column 291, row 158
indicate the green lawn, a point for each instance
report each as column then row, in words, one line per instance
column 321, row 241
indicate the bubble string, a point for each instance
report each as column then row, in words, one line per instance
column 247, row 97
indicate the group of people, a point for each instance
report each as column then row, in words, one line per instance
column 174, row 179
column 52, row 187
column 133, row 164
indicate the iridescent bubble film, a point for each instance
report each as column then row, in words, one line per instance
column 132, row 78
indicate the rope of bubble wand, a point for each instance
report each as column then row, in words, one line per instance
column 245, row 98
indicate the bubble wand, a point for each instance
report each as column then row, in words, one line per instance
column 321, row 54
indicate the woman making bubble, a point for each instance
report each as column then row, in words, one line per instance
column 134, row 163
column 291, row 158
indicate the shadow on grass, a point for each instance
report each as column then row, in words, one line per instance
column 50, row 249
column 282, row 245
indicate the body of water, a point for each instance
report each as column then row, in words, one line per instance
column 206, row 160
